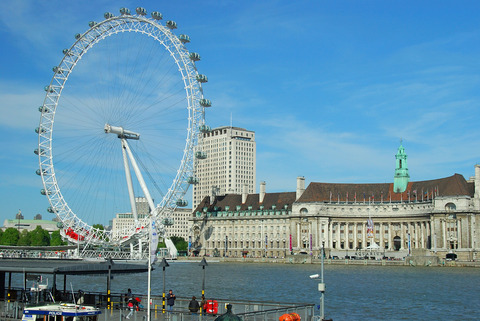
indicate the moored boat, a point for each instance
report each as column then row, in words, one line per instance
column 61, row 312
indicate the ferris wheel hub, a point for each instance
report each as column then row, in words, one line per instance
column 121, row 132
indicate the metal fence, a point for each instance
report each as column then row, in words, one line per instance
column 17, row 299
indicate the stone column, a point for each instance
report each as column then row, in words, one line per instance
column 364, row 236
column 459, row 233
column 390, row 239
column 325, row 237
column 330, row 232
column 346, row 234
column 417, row 235
column 299, row 235
column 428, row 233
column 338, row 235
column 402, row 236
column 355, row 236
column 423, row 230
column 473, row 242
column 382, row 233
column 444, row 233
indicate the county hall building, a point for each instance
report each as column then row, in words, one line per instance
column 392, row 220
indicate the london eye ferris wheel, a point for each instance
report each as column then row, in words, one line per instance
column 121, row 119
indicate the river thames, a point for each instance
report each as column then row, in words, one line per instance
column 352, row 292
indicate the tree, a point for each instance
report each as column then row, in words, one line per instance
column 98, row 226
column 10, row 236
column 39, row 237
column 24, row 239
column 56, row 239
column 179, row 243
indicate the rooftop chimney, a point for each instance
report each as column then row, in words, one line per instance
column 244, row 193
column 262, row 192
column 300, row 186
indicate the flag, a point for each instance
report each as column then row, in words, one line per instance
column 153, row 241
column 369, row 228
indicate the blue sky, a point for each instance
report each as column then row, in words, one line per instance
column 329, row 87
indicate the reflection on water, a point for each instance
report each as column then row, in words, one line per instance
column 352, row 293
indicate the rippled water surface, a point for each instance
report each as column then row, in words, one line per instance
column 353, row 292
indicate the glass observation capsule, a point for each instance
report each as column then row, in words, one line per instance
column 205, row 102
column 182, row 202
column 141, row 11
column 167, row 221
column 202, row 78
column 194, row 56
column 192, row 180
column 184, row 38
column 124, row 11
column 204, row 128
column 171, row 24
column 157, row 15
column 200, row 155
column 108, row 15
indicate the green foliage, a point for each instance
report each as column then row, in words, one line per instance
column 98, row 226
column 179, row 243
column 10, row 236
column 39, row 237
column 56, row 239
column 161, row 245
column 24, row 239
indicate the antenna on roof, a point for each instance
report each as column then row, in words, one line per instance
column 231, row 121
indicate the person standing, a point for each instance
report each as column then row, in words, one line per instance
column 203, row 304
column 170, row 300
column 130, row 307
column 193, row 307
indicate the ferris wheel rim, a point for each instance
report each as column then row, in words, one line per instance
column 98, row 32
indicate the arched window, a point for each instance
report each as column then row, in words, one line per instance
column 303, row 211
column 450, row 207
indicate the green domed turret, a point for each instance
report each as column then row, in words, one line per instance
column 401, row 178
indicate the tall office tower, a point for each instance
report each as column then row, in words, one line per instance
column 229, row 164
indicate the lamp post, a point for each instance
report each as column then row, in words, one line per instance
column 321, row 286
column 163, row 264
column 203, row 264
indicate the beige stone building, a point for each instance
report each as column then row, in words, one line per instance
column 228, row 163
column 392, row 220
column 181, row 223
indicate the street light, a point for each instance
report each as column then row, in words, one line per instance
column 321, row 286
column 203, row 264
column 163, row 264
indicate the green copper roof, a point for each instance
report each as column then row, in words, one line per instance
column 401, row 178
